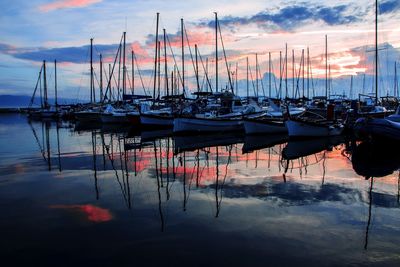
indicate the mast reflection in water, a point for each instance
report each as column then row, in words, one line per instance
column 95, row 196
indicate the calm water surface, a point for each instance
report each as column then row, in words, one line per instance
column 71, row 196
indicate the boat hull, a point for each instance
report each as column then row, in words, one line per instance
column 377, row 128
column 304, row 129
column 85, row 116
column 182, row 125
column 48, row 114
column 254, row 126
column 151, row 120
column 110, row 118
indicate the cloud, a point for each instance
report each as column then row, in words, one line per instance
column 291, row 17
column 62, row 4
column 389, row 6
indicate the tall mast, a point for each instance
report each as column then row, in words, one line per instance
column 302, row 57
column 55, row 83
column 159, row 70
column 183, row 59
column 257, row 74
column 376, row 51
column 109, row 81
column 280, row 74
column 351, row 87
column 101, row 79
column 155, row 60
column 308, row 72
column 166, row 63
column 293, row 73
column 236, row 77
column 197, row 68
column 329, row 80
column 91, row 72
column 269, row 74
column 286, row 71
column 326, row 66
column 124, row 69
column 46, row 104
column 133, row 72
column 396, row 85
column 247, row 78
column 216, row 51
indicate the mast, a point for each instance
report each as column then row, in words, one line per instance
column 257, row 74
column 155, row 60
column 308, row 72
column 133, row 72
column 247, row 78
column 280, row 74
column 46, row 104
column 269, row 74
column 216, row 51
column 124, row 69
column 286, row 71
column 396, row 85
column 91, row 72
column 293, row 73
column 101, row 79
column 109, row 81
column 302, row 57
column 351, row 87
column 55, row 84
column 159, row 70
column 376, row 52
column 326, row 66
column 183, row 60
column 197, row 68
column 236, row 77
column 166, row 63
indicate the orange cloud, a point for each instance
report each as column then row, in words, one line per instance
column 61, row 4
column 92, row 213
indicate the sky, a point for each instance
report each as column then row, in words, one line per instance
column 36, row 30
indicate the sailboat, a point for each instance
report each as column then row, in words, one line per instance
column 221, row 112
column 313, row 124
column 91, row 113
column 51, row 112
column 379, row 128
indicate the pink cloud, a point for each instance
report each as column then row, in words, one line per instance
column 61, row 4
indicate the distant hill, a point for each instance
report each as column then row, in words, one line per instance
column 20, row 101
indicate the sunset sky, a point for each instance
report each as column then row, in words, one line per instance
column 36, row 30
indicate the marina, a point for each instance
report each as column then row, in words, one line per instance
column 200, row 134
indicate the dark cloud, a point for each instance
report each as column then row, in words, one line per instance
column 66, row 54
column 389, row 6
column 291, row 17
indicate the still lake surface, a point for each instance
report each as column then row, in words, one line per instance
column 103, row 196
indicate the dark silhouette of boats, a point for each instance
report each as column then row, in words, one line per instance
column 376, row 159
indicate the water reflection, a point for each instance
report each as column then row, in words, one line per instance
column 259, row 189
